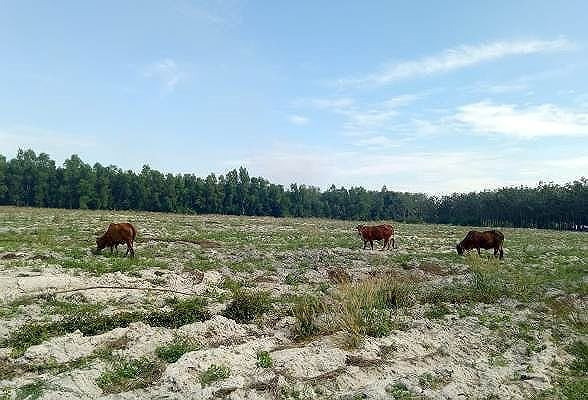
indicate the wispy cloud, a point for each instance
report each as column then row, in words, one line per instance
column 376, row 142
column 218, row 13
column 456, row 58
column 166, row 71
column 430, row 172
column 524, row 122
column 364, row 119
column 58, row 145
column 298, row 119
column 333, row 103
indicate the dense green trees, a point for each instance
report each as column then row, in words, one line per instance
column 35, row 180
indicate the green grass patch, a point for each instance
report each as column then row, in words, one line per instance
column 264, row 360
column 306, row 309
column 125, row 375
column 172, row 352
column 214, row 373
column 579, row 350
column 90, row 322
column 246, row 306
column 437, row 311
column 30, row 391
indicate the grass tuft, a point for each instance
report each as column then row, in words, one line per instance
column 246, row 306
column 264, row 360
column 172, row 352
column 214, row 373
column 124, row 375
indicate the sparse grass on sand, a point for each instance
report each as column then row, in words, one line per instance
column 296, row 300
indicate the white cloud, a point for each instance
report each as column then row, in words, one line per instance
column 376, row 142
column 58, row 145
column 525, row 122
column 456, row 58
column 428, row 172
column 334, row 104
column 298, row 120
column 166, row 71
column 365, row 119
column 572, row 164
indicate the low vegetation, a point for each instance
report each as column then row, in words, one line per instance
column 264, row 360
column 323, row 309
column 91, row 322
column 124, row 375
column 172, row 352
column 214, row 373
column 246, row 306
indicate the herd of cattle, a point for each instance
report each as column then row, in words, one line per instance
column 125, row 233
column 474, row 240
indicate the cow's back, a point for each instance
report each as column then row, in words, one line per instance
column 377, row 232
column 484, row 239
column 118, row 233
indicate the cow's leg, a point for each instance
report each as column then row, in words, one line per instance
column 364, row 244
column 372, row 244
column 501, row 253
column 130, row 248
column 478, row 251
column 385, row 244
column 393, row 245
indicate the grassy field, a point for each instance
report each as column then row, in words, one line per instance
column 263, row 308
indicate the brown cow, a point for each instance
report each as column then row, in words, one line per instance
column 379, row 232
column 482, row 240
column 118, row 234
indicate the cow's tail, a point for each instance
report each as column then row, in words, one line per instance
column 134, row 232
column 500, row 243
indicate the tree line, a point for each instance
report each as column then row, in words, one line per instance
column 35, row 180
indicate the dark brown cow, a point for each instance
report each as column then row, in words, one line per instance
column 379, row 232
column 482, row 240
column 118, row 234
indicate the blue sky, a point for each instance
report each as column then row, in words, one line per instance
column 418, row 96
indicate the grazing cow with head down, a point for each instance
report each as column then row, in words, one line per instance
column 379, row 232
column 482, row 240
column 118, row 234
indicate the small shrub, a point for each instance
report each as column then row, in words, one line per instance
column 185, row 311
column 436, row 380
column 482, row 287
column 437, row 311
column 31, row 391
column 214, row 373
column 125, row 375
column 173, row 351
column 580, row 364
column 574, row 388
column 365, row 308
column 306, row 309
column 399, row 391
column 264, row 359
column 247, row 306
column 294, row 278
column 232, row 285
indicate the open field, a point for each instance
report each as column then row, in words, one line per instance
column 263, row 308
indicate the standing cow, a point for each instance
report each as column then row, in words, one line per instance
column 378, row 232
column 482, row 240
column 118, row 234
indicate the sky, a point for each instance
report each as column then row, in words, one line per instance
column 419, row 96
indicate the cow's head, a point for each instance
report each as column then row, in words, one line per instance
column 100, row 244
column 459, row 249
column 359, row 230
